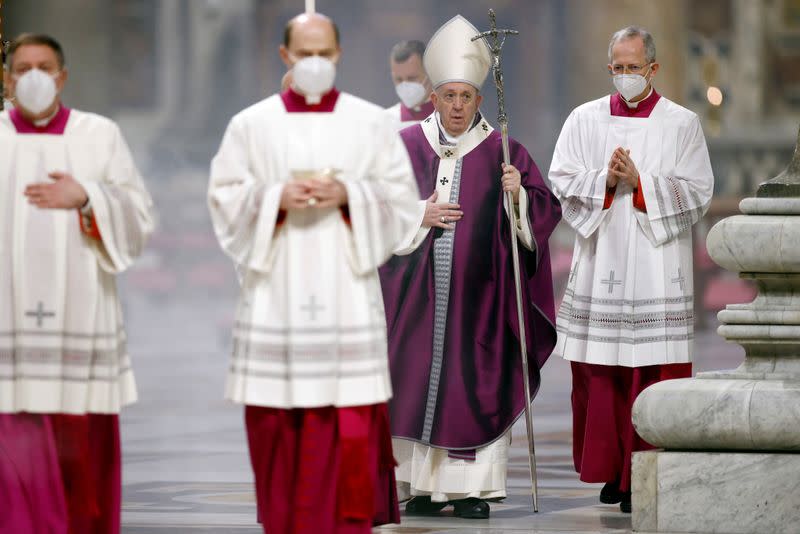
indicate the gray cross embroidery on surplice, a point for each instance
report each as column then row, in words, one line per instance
column 39, row 314
column 444, row 180
column 680, row 280
column 312, row 308
column 611, row 282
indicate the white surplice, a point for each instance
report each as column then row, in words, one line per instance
column 629, row 300
column 310, row 326
column 62, row 343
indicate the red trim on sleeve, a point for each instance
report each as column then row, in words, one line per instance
column 345, row 210
column 91, row 229
column 638, row 197
column 610, row 192
column 281, row 218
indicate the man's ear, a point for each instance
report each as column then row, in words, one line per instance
column 284, row 53
column 61, row 80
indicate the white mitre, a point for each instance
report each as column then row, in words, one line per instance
column 452, row 56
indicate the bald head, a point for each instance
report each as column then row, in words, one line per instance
column 305, row 25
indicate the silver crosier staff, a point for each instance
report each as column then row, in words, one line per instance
column 495, row 39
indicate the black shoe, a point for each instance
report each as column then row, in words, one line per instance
column 471, row 508
column 610, row 493
column 423, row 505
column 625, row 504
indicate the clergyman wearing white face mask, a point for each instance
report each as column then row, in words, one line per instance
column 633, row 175
column 632, row 73
column 411, row 84
column 312, row 66
column 34, row 88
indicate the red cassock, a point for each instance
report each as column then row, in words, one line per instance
column 60, row 474
column 31, row 494
column 322, row 470
column 604, row 439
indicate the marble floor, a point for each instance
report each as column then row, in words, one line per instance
column 185, row 461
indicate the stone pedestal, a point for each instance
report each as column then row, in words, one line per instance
column 731, row 439
column 721, row 492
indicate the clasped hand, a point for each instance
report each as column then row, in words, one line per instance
column 622, row 169
column 314, row 193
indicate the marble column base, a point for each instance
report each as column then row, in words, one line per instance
column 716, row 492
column 720, row 414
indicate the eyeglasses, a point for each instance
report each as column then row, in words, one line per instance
column 628, row 69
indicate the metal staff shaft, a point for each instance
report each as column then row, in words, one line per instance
column 495, row 39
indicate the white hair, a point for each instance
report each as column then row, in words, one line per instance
column 630, row 32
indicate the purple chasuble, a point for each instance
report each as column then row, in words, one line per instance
column 478, row 378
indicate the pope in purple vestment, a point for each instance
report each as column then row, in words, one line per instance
column 480, row 388
column 449, row 292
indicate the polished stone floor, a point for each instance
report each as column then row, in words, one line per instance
column 185, row 461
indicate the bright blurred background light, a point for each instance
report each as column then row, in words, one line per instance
column 714, row 95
